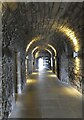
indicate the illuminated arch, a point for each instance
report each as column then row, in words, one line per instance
column 67, row 31
column 52, row 48
column 32, row 41
column 34, row 49
column 36, row 54
column 44, row 48
column 48, row 51
column 72, row 36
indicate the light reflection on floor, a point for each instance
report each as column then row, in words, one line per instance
column 46, row 97
column 75, row 92
column 31, row 81
column 34, row 73
column 52, row 76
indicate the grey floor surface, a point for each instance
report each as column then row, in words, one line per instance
column 46, row 97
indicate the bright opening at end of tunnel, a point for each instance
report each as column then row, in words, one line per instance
column 40, row 64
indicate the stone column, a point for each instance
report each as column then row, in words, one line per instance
column 32, row 63
column 64, row 68
column 58, row 67
column 0, row 88
column 54, row 64
column 51, row 63
column 26, row 64
column 18, row 72
column 36, row 63
column 0, row 65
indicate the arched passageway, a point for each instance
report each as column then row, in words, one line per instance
column 52, row 32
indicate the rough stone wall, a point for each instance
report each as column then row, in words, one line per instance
column 0, row 88
column 8, row 79
column 64, row 68
column 11, row 43
column 0, row 65
column 23, row 68
column 75, row 72
column 71, row 71
column 29, row 64
column 7, row 84
column 13, row 31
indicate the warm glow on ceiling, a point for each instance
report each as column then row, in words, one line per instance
column 37, row 53
column 45, row 49
column 34, row 49
column 48, row 51
column 32, row 41
column 52, row 48
column 67, row 31
column 71, row 34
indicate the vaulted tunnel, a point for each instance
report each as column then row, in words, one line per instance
column 47, row 30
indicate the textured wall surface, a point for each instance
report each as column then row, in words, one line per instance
column 75, row 72
column 71, row 71
column 64, row 68
column 24, row 22
column 9, row 72
column 0, row 88
column 7, row 85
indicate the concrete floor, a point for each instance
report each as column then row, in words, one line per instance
column 46, row 97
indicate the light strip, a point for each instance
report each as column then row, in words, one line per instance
column 48, row 51
column 48, row 46
column 67, row 31
column 32, row 41
column 71, row 34
column 36, row 55
column 34, row 49
column 52, row 48
column 44, row 49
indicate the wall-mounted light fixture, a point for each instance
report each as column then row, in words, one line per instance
column 26, row 57
column 75, row 54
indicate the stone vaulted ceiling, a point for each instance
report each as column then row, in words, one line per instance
column 48, row 21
